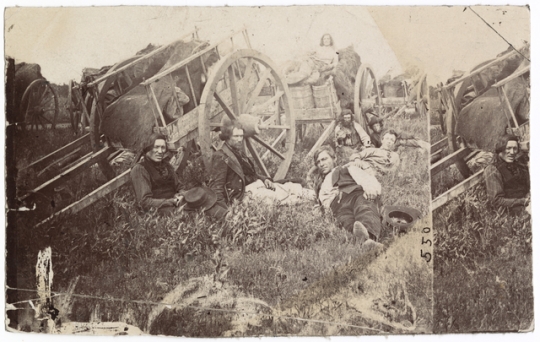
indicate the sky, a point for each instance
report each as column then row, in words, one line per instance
column 66, row 40
column 437, row 39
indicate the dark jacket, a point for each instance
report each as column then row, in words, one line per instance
column 507, row 184
column 154, row 183
column 228, row 179
column 340, row 178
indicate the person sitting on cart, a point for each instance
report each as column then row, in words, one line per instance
column 351, row 194
column 327, row 53
column 507, row 177
column 154, row 180
column 376, row 125
column 349, row 133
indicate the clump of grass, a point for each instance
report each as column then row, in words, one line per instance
column 482, row 266
column 122, row 252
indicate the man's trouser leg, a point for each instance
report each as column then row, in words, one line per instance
column 354, row 207
column 218, row 210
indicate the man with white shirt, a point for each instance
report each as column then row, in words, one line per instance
column 350, row 193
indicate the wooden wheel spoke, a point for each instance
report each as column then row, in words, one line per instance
column 234, row 90
column 256, row 157
column 266, row 103
column 225, row 107
column 44, row 117
column 245, row 84
column 269, row 147
column 38, row 121
column 257, row 89
column 47, row 102
column 275, row 142
column 42, row 95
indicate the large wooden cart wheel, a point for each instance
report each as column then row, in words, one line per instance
column 74, row 106
column 246, row 85
column 366, row 94
column 39, row 105
column 423, row 101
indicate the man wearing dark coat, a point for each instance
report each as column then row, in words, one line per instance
column 154, row 180
column 232, row 170
column 507, row 177
column 350, row 193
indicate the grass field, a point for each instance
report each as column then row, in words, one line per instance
column 482, row 263
column 289, row 266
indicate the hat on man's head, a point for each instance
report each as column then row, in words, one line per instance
column 346, row 111
column 200, row 197
column 374, row 119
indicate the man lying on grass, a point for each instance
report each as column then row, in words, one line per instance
column 507, row 177
column 381, row 160
column 376, row 124
column 351, row 194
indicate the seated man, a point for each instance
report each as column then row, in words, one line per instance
column 155, row 182
column 349, row 133
column 232, row 170
column 507, row 178
column 350, row 193
column 376, row 124
column 381, row 160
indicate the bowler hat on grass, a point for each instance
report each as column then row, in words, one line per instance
column 400, row 217
column 200, row 197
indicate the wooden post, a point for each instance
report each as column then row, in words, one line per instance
column 322, row 139
column 457, row 190
column 191, row 87
column 155, row 109
column 508, row 106
column 451, row 122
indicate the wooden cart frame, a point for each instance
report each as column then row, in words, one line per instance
column 270, row 138
column 459, row 155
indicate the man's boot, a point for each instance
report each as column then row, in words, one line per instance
column 360, row 232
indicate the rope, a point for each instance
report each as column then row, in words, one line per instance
column 148, row 302
column 491, row 27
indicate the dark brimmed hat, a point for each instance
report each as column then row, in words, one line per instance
column 200, row 197
column 374, row 119
column 400, row 217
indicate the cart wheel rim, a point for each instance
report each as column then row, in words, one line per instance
column 366, row 88
column 247, row 82
column 39, row 105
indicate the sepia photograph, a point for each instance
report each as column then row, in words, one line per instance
column 267, row 171
column 480, row 181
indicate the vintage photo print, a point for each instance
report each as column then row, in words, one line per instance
column 480, row 179
column 267, row 171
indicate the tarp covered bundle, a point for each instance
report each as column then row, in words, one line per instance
column 129, row 120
